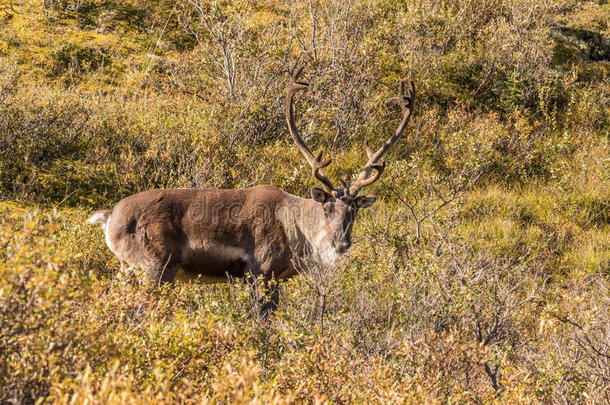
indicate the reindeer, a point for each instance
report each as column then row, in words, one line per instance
column 253, row 232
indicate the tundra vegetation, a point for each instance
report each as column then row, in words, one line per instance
column 480, row 275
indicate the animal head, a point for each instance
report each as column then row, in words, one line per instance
column 339, row 216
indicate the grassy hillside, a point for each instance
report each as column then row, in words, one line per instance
column 481, row 275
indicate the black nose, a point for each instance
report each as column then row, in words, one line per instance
column 343, row 246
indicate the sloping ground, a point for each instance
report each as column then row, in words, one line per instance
column 500, row 295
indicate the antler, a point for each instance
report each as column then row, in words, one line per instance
column 405, row 100
column 316, row 163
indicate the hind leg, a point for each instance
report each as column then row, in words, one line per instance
column 162, row 271
column 273, row 298
column 161, row 248
column 122, row 274
column 125, row 271
column 129, row 273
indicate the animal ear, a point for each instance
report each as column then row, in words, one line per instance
column 365, row 201
column 320, row 195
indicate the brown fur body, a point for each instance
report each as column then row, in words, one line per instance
column 211, row 233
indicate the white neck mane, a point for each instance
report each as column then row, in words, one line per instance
column 303, row 221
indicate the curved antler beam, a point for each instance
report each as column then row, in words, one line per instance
column 316, row 163
column 405, row 99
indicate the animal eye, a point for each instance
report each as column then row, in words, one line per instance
column 328, row 207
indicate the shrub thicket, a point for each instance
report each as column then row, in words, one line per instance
column 481, row 275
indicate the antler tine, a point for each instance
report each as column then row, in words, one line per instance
column 295, row 85
column 405, row 99
column 345, row 188
column 316, row 163
column 379, row 168
column 319, row 165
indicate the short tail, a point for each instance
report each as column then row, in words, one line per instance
column 100, row 217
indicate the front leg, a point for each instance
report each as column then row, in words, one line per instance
column 259, row 275
column 272, row 298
